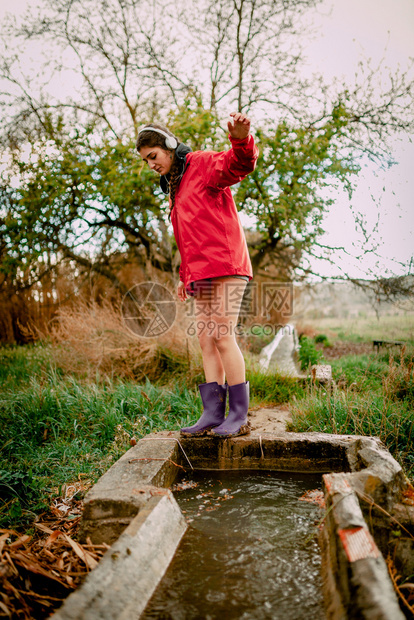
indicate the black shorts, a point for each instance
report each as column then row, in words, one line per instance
column 194, row 287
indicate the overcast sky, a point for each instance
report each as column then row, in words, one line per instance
column 351, row 31
column 354, row 30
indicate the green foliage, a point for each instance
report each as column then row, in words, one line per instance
column 22, row 492
column 76, row 193
column 308, row 353
column 322, row 338
column 196, row 126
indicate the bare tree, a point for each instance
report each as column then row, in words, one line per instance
column 250, row 49
column 121, row 57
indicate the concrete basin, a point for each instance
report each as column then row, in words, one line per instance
column 132, row 509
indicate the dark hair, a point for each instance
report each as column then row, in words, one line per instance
column 152, row 138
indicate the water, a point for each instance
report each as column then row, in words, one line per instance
column 250, row 550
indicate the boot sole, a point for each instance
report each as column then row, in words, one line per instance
column 204, row 433
column 243, row 430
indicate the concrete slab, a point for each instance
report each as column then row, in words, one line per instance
column 126, row 487
column 121, row 585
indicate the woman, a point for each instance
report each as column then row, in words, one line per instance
column 215, row 264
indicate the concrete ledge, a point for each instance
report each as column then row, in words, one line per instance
column 300, row 452
column 126, row 577
column 376, row 473
column 356, row 581
column 126, row 487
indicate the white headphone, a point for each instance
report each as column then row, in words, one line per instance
column 170, row 141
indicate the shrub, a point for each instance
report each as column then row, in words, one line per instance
column 308, row 353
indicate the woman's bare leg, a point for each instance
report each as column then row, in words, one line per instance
column 217, row 310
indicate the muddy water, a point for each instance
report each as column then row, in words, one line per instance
column 250, row 550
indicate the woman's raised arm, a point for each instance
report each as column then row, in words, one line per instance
column 232, row 166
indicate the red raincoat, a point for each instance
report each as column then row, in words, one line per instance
column 206, row 224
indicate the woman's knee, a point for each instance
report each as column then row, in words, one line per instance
column 223, row 341
column 207, row 342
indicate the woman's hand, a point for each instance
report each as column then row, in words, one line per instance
column 181, row 292
column 239, row 127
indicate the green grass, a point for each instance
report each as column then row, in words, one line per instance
column 365, row 371
column 57, row 428
column 272, row 389
column 358, row 414
column 18, row 364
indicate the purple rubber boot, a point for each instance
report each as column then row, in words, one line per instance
column 236, row 422
column 213, row 396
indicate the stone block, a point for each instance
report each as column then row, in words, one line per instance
column 376, row 473
column 322, row 373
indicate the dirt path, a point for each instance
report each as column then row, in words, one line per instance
column 269, row 419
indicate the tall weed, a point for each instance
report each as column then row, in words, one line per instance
column 308, row 353
column 398, row 383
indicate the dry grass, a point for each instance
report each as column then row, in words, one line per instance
column 91, row 337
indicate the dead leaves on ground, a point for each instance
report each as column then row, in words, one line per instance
column 38, row 571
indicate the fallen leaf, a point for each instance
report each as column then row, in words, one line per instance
column 20, row 542
column 53, row 536
column 81, row 553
